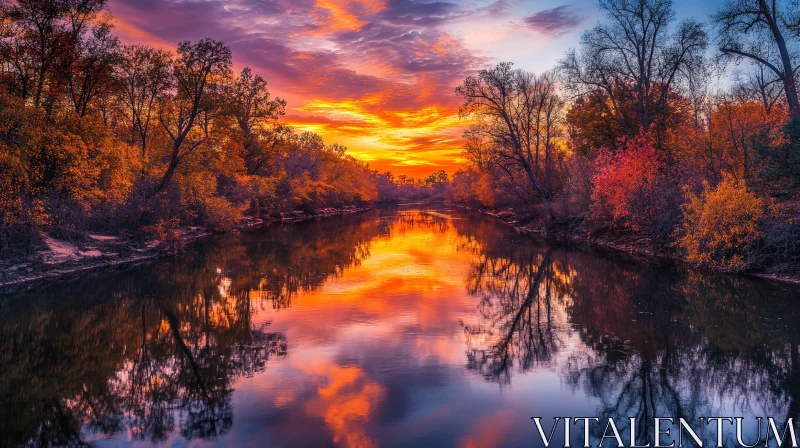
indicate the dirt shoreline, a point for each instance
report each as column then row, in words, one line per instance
column 65, row 260
column 628, row 243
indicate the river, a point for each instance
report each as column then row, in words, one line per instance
column 404, row 326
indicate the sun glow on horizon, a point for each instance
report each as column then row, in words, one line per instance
column 376, row 76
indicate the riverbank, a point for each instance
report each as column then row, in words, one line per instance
column 574, row 231
column 60, row 258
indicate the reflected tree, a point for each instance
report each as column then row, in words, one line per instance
column 155, row 351
column 515, row 312
column 666, row 344
column 645, row 341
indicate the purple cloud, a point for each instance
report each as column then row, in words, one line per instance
column 554, row 22
column 411, row 12
column 498, row 8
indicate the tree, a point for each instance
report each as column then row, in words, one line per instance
column 436, row 179
column 97, row 136
column 738, row 129
column 41, row 43
column 463, row 188
column 757, row 85
column 626, row 185
column 757, row 30
column 196, row 69
column 248, row 101
column 508, row 106
column 92, row 72
column 144, row 76
column 592, row 125
column 635, row 56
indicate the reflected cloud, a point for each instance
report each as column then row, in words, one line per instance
column 404, row 326
column 489, row 431
column 346, row 400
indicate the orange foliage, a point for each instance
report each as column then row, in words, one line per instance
column 721, row 225
column 214, row 153
column 737, row 128
column 463, row 186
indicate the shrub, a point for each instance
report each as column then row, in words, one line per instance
column 220, row 214
column 720, row 226
column 168, row 233
column 635, row 189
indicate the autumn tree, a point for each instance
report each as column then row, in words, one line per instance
column 248, row 101
column 633, row 189
column 625, row 178
column 92, row 133
column 463, row 187
column 592, row 124
column 636, row 55
column 18, row 214
column 196, row 69
column 346, row 179
column 738, row 129
column 92, row 72
column 509, row 105
column 39, row 42
column 762, row 32
column 144, row 75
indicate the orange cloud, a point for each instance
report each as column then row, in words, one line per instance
column 338, row 15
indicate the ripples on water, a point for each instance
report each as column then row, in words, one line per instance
column 393, row 327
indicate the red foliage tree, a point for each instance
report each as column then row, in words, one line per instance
column 631, row 190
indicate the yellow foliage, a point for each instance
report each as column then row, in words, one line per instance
column 721, row 225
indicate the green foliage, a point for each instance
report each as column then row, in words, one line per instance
column 782, row 172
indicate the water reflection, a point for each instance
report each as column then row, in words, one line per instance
column 394, row 327
column 110, row 362
column 653, row 343
column 516, row 312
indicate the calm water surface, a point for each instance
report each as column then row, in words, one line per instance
column 395, row 327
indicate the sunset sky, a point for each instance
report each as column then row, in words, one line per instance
column 375, row 75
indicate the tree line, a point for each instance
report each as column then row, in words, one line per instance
column 95, row 134
column 628, row 134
